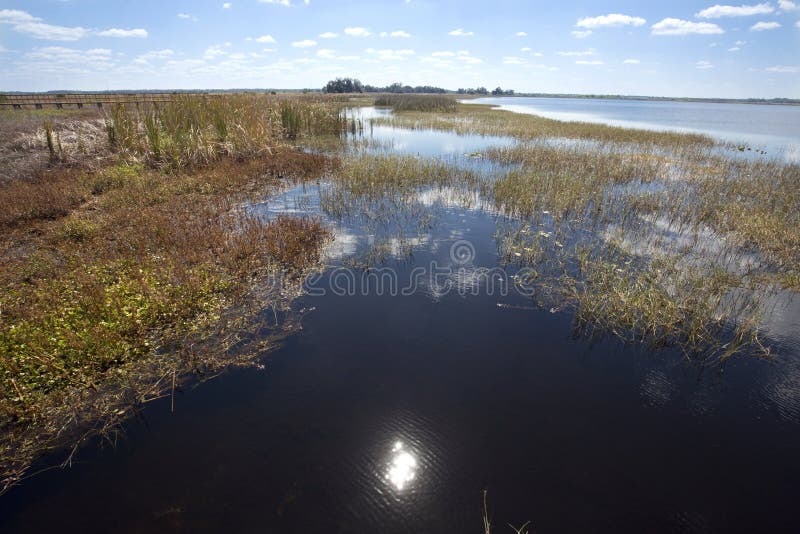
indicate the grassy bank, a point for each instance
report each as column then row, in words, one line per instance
column 120, row 278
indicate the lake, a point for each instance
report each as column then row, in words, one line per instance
column 402, row 400
column 774, row 128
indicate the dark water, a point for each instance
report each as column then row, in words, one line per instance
column 393, row 410
column 774, row 128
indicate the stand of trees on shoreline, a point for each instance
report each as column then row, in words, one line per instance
column 353, row 85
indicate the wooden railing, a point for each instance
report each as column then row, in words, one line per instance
column 80, row 100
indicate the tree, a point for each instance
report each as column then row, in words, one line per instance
column 344, row 85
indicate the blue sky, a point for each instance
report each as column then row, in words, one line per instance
column 678, row 48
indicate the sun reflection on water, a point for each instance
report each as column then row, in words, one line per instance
column 402, row 468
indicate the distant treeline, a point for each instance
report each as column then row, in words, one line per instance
column 352, row 85
column 497, row 91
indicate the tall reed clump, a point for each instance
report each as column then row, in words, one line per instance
column 196, row 130
column 424, row 103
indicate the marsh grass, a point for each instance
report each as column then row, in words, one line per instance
column 420, row 103
column 485, row 120
column 114, row 277
column 194, row 130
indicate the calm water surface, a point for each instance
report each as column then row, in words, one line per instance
column 394, row 413
column 774, row 128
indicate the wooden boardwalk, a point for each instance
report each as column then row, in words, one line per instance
column 80, row 100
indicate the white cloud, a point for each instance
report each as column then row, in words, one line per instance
column 328, row 35
column 24, row 22
column 631, row 62
column 390, row 55
column 49, row 32
column 227, row 5
column 670, row 26
column 786, row 5
column 703, row 65
column 117, row 32
column 765, row 26
column 612, row 20
column 305, row 43
column 589, row 52
column 525, row 49
column 783, row 69
column 459, row 32
column 581, row 34
column 154, row 54
column 521, row 34
column 96, row 57
column 286, row 3
column 400, row 33
column 734, row 49
column 265, row 39
column 326, row 53
column 718, row 11
column 585, row 62
column 357, row 31
column 511, row 60
column 15, row 16
column 187, row 16
column 215, row 51
column 740, row 43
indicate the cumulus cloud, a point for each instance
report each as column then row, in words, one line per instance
column 227, row 5
column 24, row 22
column 582, row 53
column 786, row 5
column 460, row 32
column 783, row 69
column 357, row 31
column 390, row 55
column 328, row 35
column 265, row 39
column 521, row 34
column 670, row 26
column 718, row 11
column 400, row 33
column 611, row 20
column 117, row 32
column 305, row 43
column 95, row 57
column 765, row 26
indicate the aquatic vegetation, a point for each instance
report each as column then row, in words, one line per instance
column 196, row 130
column 485, row 120
column 114, row 277
column 422, row 103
